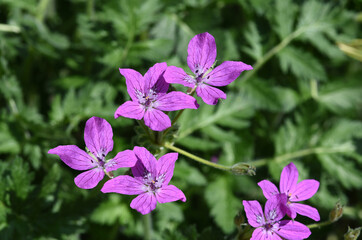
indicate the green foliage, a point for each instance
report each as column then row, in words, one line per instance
column 59, row 66
column 223, row 204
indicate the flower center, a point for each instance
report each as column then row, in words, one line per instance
column 153, row 183
column 147, row 100
column 268, row 226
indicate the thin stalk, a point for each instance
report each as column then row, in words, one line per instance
column 318, row 225
column 90, row 9
column 272, row 52
column 297, row 154
column 147, row 226
column 42, row 7
column 196, row 158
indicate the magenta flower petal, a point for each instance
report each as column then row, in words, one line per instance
column 144, row 203
column 74, row 157
column 226, row 73
column 254, row 213
column 209, row 95
column 177, row 75
column 201, row 53
column 124, row 185
column 176, row 101
column 123, row 159
column 153, row 74
column 305, row 190
column 274, row 210
column 288, row 178
column 139, row 169
column 90, row 178
column 98, row 137
column 170, row 193
column 258, row 234
column 306, row 210
column 292, row 230
column 134, row 82
column 130, row 109
column 157, row 120
column 269, row 189
column 165, row 167
column 147, row 159
column 161, row 86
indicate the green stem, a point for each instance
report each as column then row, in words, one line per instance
column 318, row 225
column 42, row 7
column 196, row 158
column 297, row 154
column 272, row 52
column 147, row 226
column 90, row 9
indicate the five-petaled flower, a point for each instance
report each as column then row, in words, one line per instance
column 294, row 192
column 269, row 224
column 150, row 181
column 149, row 98
column 201, row 57
column 98, row 139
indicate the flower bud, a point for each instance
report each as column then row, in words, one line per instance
column 352, row 234
column 243, row 169
column 336, row 212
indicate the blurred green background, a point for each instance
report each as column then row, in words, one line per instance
column 302, row 102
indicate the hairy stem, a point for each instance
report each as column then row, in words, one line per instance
column 196, row 158
column 318, row 225
column 147, row 226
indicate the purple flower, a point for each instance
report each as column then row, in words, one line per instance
column 149, row 98
column 294, row 192
column 200, row 59
column 270, row 226
column 98, row 139
column 150, row 181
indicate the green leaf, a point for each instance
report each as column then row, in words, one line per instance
column 223, row 204
column 112, row 212
column 252, row 36
column 315, row 17
column 195, row 143
column 34, row 154
column 209, row 115
column 8, row 144
column 169, row 216
column 285, row 11
column 21, row 178
column 342, row 169
column 341, row 132
column 341, row 97
column 219, row 134
column 291, row 136
column 189, row 174
column 261, row 94
column 301, row 63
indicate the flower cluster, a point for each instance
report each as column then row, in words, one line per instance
column 151, row 100
column 269, row 225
